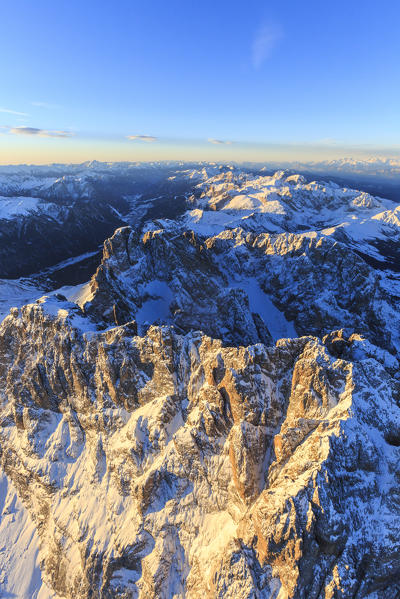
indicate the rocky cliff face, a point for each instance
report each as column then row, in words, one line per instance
column 219, row 417
column 224, row 285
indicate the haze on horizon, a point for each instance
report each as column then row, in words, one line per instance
column 159, row 81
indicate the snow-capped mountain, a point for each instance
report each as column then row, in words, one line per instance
column 285, row 202
column 51, row 213
column 215, row 411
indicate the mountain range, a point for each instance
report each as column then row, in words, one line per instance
column 201, row 389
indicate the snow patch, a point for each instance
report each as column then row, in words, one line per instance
column 156, row 307
column 17, row 206
column 261, row 303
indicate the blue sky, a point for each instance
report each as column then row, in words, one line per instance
column 275, row 79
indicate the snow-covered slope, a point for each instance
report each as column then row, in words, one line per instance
column 19, row 548
column 17, row 292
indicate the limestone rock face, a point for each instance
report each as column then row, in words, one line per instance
column 218, row 418
column 173, row 466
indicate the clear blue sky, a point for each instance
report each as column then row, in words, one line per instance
column 275, row 78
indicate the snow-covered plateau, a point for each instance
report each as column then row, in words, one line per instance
column 214, row 410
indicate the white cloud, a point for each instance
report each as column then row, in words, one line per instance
column 39, row 132
column 264, row 42
column 45, row 105
column 219, row 141
column 8, row 111
column 147, row 138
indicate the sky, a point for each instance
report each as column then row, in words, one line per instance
column 209, row 80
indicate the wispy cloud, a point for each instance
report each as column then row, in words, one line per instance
column 219, row 141
column 14, row 112
column 264, row 42
column 45, row 105
column 39, row 132
column 147, row 138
